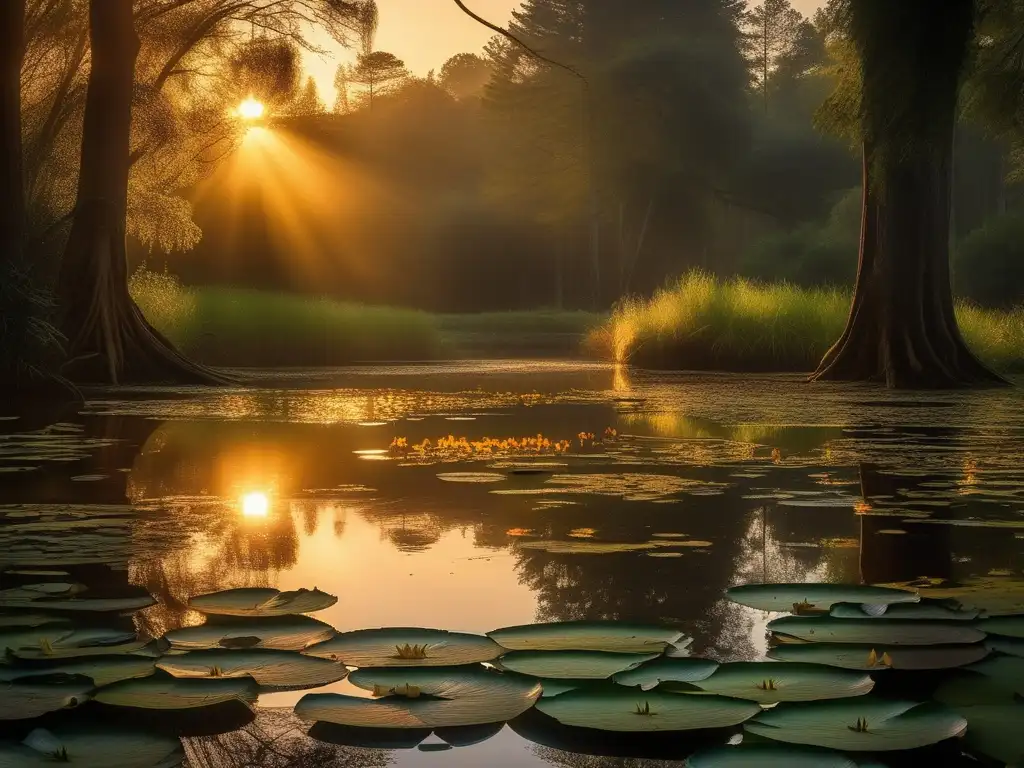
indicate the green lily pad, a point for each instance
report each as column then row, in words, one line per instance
column 770, row 683
column 269, row 668
column 282, row 633
column 101, row 670
column 666, row 670
column 572, row 665
column 90, row 605
column 406, row 647
column 875, row 657
column 1011, row 646
column 995, row 731
column 59, row 641
column 35, row 696
column 614, row 709
column 18, row 596
column 166, row 692
column 925, row 610
column 26, row 620
column 262, row 602
column 783, row 597
column 996, row 680
column 1007, row 626
column 437, row 698
column 769, row 756
column 862, row 724
column 610, row 636
column 93, row 747
column 870, row 631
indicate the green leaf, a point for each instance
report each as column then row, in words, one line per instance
column 442, row 698
column 666, row 670
column 35, row 696
column 590, row 636
column 926, row 609
column 875, row 657
column 871, row 631
column 572, row 665
column 407, row 647
column 995, row 731
column 283, row 633
column 783, row 597
column 54, row 641
column 769, row 756
column 770, row 683
column 1011, row 646
column 166, row 692
column 996, row 680
column 262, row 602
column 93, row 747
column 612, row 708
column 89, row 605
column 863, row 724
column 26, row 620
column 1007, row 626
column 269, row 668
column 101, row 670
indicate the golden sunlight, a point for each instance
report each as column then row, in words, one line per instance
column 255, row 504
column 250, row 109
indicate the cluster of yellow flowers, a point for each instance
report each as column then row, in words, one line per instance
column 489, row 446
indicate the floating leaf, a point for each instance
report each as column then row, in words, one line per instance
column 35, row 696
column 782, row 597
column 283, row 633
column 862, row 724
column 269, row 668
column 26, row 620
column 996, row 680
column 407, row 647
column 93, row 747
column 772, row 683
column 925, row 610
column 995, row 731
column 666, row 670
column 262, row 602
column 1012, row 646
column 871, row 631
column 769, row 756
column 614, row 709
column 90, row 605
column 589, row 636
column 58, row 641
column 101, row 670
column 572, row 665
column 471, row 477
column 870, row 657
column 1007, row 626
column 166, row 692
column 454, row 696
column 17, row 596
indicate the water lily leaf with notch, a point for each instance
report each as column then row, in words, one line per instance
column 572, row 665
column 926, row 609
column 878, row 657
column 862, row 724
column 262, row 602
column 615, row 709
column 870, row 631
column 1011, row 646
column 281, row 633
column 269, row 668
column 35, row 696
column 995, row 731
column 1006, row 626
column 820, row 597
column 407, row 647
column 166, row 692
column 769, row 756
column 770, row 683
column 666, row 670
column 610, row 636
column 101, row 670
column 93, row 747
column 444, row 697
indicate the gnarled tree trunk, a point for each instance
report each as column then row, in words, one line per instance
column 109, row 340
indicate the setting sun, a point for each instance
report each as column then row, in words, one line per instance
column 255, row 504
column 251, row 109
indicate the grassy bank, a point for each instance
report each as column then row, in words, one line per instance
column 703, row 323
column 238, row 327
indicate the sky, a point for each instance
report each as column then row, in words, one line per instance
column 426, row 33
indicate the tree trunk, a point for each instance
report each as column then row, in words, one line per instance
column 12, row 190
column 109, row 340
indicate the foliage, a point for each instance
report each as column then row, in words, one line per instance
column 774, row 29
column 465, row 75
column 308, row 102
column 988, row 265
column 703, row 323
column 378, row 73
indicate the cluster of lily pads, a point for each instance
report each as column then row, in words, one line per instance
column 831, row 688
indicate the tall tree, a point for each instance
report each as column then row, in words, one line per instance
column 773, row 30
column 341, row 100
column 377, row 73
column 902, row 330
column 465, row 75
column 308, row 101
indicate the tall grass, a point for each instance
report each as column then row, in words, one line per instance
column 704, row 323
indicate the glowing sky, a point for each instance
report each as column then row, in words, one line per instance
column 426, row 33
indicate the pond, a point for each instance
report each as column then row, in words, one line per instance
column 478, row 496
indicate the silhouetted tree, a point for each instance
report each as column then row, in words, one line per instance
column 308, row 101
column 377, row 73
column 773, row 29
column 12, row 211
column 341, row 81
column 465, row 75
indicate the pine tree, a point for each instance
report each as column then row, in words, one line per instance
column 308, row 102
column 773, row 30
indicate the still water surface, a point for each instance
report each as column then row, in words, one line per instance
column 671, row 489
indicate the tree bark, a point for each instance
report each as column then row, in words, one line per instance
column 12, row 189
column 109, row 340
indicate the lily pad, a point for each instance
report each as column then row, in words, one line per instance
column 471, row 477
column 862, row 724
column 769, row 756
column 19, row 595
column 869, row 631
column 624, row 710
column 425, row 698
column 589, row 636
column 1007, row 626
column 995, row 731
column 166, row 692
column 25, row 620
column 91, row 605
column 283, row 633
column 783, row 597
column 93, row 747
column 35, row 696
column 59, row 641
column 1011, row 646
column 572, row 665
column 406, row 647
column 666, row 670
column 262, row 602
column 101, row 670
column 925, row 610
column 876, row 657
column 269, row 668
column 770, row 683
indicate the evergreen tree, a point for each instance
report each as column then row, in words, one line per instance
column 308, row 102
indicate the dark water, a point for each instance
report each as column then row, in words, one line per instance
column 706, row 482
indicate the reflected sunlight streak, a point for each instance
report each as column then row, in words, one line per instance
column 255, row 504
